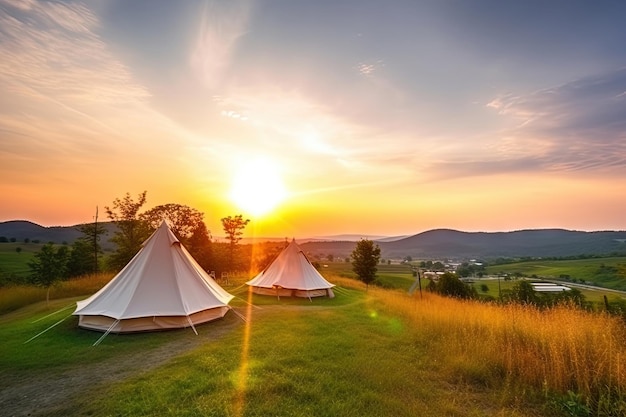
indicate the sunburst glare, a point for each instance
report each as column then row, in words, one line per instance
column 257, row 187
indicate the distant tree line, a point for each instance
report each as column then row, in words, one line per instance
column 85, row 256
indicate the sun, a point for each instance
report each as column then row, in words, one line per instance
column 257, row 187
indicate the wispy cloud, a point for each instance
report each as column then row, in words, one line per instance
column 579, row 125
column 221, row 25
column 65, row 98
column 50, row 49
column 369, row 68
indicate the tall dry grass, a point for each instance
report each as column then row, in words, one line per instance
column 15, row 297
column 556, row 350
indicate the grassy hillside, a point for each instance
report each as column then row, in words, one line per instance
column 364, row 353
column 12, row 262
column 605, row 272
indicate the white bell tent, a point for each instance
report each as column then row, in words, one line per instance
column 291, row 274
column 162, row 287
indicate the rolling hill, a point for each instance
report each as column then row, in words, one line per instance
column 446, row 243
column 22, row 229
column 432, row 244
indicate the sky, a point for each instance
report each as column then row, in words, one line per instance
column 358, row 116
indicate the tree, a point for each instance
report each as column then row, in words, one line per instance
column 48, row 266
column 233, row 227
column 524, row 293
column 183, row 220
column 18, row 249
column 81, row 259
column 200, row 246
column 131, row 231
column 86, row 248
column 450, row 285
column 365, row 257
column 438, row 266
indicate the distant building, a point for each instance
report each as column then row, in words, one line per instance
column 549, row 287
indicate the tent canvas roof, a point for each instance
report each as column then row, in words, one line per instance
column 291, row 269
column 163, row 279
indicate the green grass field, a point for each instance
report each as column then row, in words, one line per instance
column 12, row 262
column 605, row 272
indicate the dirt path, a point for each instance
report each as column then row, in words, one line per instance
column 45, row 395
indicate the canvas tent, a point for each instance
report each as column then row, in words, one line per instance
column 162, row 287
column 291, row 274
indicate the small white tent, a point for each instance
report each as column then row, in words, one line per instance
column 291, row 274
column 162, row 287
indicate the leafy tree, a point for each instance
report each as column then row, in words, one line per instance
column 48, row 266
column 438, row 266
column 86, row 248
column 187, row 224
column 200, row 246
column 233, row 227
column 450, row 285
column 18, row 249
column 131, row 231
column 524, row 293
column 81, row 259
column 183, row 220
column 365, row 257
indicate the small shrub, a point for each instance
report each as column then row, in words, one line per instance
column 573, row 405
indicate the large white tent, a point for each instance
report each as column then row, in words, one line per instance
column 291, row 274
column 162, row 287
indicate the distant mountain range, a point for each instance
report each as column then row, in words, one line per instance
column 433, row 244
column 446, row 244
